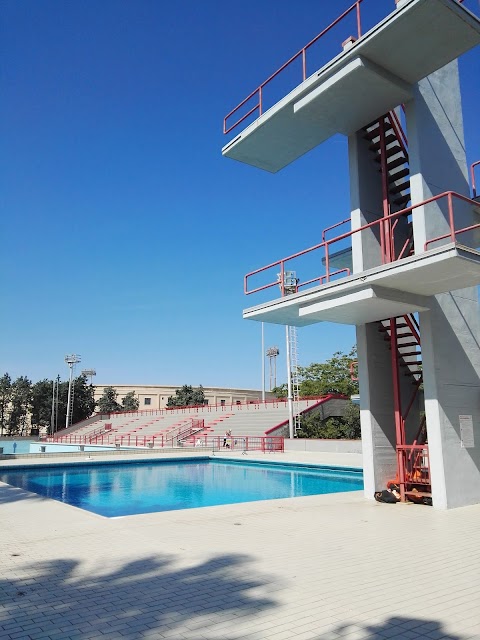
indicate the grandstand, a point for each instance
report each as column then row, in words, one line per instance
column 193, row 426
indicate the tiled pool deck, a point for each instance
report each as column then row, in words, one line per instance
column 318, row 567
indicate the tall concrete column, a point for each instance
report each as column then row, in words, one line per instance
column 436, row 148
column 376, row 408
column 450, row 330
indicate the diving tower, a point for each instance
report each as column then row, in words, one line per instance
column 406, row 266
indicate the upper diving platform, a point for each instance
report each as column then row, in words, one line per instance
column 374, row 73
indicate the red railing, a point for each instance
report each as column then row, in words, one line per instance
column 235, row 442
column 258, row 92
column 415, row 462
column 185, row 432
column 100, row 431
column 326, row 244
column 319, row 401
column 472, row 176
column 303, row 53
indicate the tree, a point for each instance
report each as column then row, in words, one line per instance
column 20, row 406
column 129, row 402
column 320, row 379
column 108, row 402
column 347, row 427
column 41, row 408
column 187, row 396
column 5, row 397
column 83, row 399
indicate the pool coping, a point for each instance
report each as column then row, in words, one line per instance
column 119, row 461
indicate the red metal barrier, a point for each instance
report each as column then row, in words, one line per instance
column 414, row 459
column 326, row 245
column 258, row 93
column 229, row 443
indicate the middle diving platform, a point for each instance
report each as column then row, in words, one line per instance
column 386, row 291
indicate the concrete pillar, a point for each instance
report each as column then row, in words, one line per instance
column 365, row 202
column 376, row 408
column 436, row 149
column 450, row 331
column 450, row 335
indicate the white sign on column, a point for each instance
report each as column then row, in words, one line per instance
column 466, row 431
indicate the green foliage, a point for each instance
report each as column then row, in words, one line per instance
column 348, row 427
column 332, row 376
column 322, row 378
column 129, row 402
column 20, row 405
column 108, row 402
column 187, row 396
column 41, row 408
column 281, row 391
column 84, row 399
column 5, row 397
column 21, row 400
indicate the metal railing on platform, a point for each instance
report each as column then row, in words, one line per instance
column 446, row 199
column 258, row 94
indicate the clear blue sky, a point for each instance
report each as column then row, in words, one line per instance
column 125, row 234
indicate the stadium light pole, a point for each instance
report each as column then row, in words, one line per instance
column 52, row 417
column 56, row 404
column 263, row 363
column 89, row 373
column 71, row 360
column 288, row 283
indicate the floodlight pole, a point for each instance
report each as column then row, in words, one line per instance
column 71, row 360
column 263, row 364
column 52, row 417
column 288, row 283
column 56, row 404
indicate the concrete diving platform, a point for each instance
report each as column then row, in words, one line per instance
column 366, row 80
column 386, row 291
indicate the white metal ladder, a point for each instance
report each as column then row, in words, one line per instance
column 293, row 344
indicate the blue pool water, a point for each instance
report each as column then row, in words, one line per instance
column 119, row 489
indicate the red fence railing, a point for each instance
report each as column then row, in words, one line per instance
column 258, row 93
column 225, row 443
column 448, row 198
column 415, row 462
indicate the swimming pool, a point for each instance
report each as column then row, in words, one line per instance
column 128, row 488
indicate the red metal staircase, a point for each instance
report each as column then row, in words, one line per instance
column 389, row 147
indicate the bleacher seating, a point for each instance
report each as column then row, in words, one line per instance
column 163, row 424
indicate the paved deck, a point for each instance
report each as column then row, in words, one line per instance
column 318, row 567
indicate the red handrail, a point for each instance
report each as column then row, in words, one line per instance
column 326, row 243
column 334, row 226
column 303, row 52
column 472, row 175
column 240, row 442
